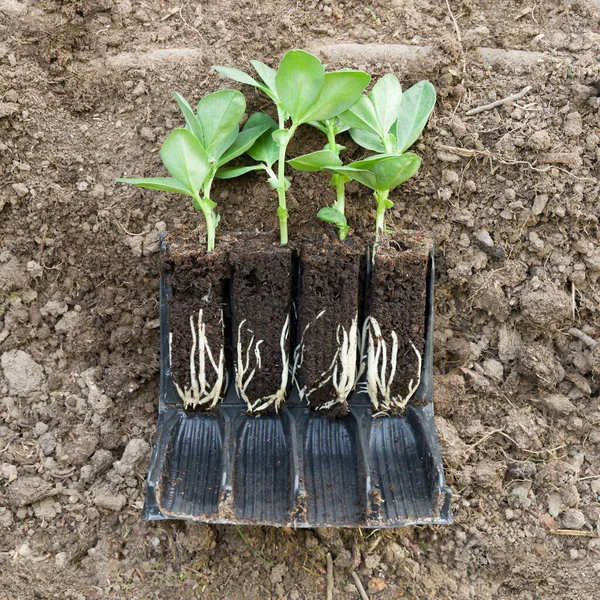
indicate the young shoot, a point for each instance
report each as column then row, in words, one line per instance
column 329, row 157
column 381, row 173
column 303, row 93
column 193, row 155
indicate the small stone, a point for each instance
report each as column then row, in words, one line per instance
column 519, row 495
column 139, row 89
column 68, row 324
column 9, row 472
column 493, row 369
column 98, row 191
column 40, row 429
column 540, row 140
column 539, row 204
column 47, row 443
column 485, row 238
column 35, row 269
column 61, row 559
column 45, row 509
column 6, row 517
column 82, row 186
column 135, row 450
column 55, row 308
column 573, row 125
column 509, row 343
column 376, row 584
column 114, row 502
column 27, row 490
column 147, row 134
column 573, row 519
column 559, row 404
column 20, row 189
column 277, row 573
column 536, row 242
column 22, row 374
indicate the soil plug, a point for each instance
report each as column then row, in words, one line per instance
column 303, row 93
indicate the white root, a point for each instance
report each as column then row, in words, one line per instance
column 200, row 393
column 342, row 372
column 379, row 380
column 244, row 371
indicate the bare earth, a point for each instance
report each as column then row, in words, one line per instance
column 511, row 195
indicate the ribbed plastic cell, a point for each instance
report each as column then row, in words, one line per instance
column 298, row 468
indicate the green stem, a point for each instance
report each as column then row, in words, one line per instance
column 211, row 227
column 381, row 197
column 340, row 184
column 282, row 208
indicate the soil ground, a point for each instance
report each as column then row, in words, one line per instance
column 511, row 195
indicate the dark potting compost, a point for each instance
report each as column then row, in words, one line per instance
column 329, row 300
column 295, row 466
column 261, row 292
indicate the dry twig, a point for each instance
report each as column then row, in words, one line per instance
column 459, row 38
column 359, row 585
column 496, row 103
column 329, row 577
column 586, row 339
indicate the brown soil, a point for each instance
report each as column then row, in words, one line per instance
column 513, row 208
column 199, row 281
column 329, row 282
column 261, row 292
column 396, row 300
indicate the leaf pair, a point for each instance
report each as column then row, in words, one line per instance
column 388, row 120
column 302, row 88
column 211, row 139
column 381, row 172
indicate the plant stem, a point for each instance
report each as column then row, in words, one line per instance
column 381, row 196
column 337, row 180
column 282, row 209
column 211, row 226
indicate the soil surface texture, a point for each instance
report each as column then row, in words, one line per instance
column 199, row 283
column 510, row 194
column 330, row 295
column 261, row 298
column 396, row 302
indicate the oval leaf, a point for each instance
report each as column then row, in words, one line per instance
column 298, row 82
column 236, row 75
column 219, row 115
column 231, row 172
column 332, row 215
column 185, row 159
column 371, row 161
column 190, row 117
column 415, row 107
column 265, row 149
column 340, row 91
column 315, row 161
column 386, row 96
column 266, row 73
column 253, row 129
column 163, row 184
column 393, row 171
column 367, row 139
column 361, row 115
column 362, row 176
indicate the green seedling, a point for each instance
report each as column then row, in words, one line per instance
column 193, row 155
column 319, row 161
column 303, row 93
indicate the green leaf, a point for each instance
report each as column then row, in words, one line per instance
column 362, row 176
column 254, row 127
column 163, row 184
column 237, row 75
column 415, row 107
column 361, row 115
column 190, row 117
column 332, row 215
column 371, row 161
column 185, row 159
column 393, row 171
column 315, row 161
column 231, row 172
column 298, row 82
column 265, row 149
column 266, row 73
column 386, row 96
column 219, row 115
column 367, row 139
column 340, row 91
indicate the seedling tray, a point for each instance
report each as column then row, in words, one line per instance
column 298, row 468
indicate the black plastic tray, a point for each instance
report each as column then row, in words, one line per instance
column 298, row 468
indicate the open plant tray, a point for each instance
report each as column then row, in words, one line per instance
column 298, row 468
